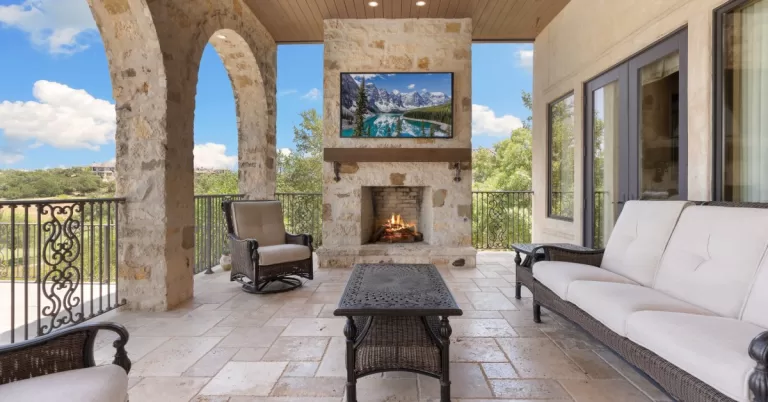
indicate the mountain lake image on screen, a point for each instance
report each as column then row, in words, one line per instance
column 397, row 105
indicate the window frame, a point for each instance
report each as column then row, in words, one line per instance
column 561, row 98
column 718, row 98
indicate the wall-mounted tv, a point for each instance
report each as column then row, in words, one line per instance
column 397, row 105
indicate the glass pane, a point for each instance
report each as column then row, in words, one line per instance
column 606, row 160
column 745, row 89
column 561, row 158
column 659, row 135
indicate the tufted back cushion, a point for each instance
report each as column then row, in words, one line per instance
column 259, row 220
column 639, row 238
column 756, row 309
column 713, row 256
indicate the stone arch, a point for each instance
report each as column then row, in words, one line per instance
column 255, row 164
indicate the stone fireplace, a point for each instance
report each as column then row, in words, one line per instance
column 366, row 181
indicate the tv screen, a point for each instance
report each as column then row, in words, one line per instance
column 397, row 105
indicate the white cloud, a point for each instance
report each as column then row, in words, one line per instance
column 423, row 89
column 9, row 156
column 284, row 151
column 485, row 122
column 411, row 86
column 62, row 117
column 287, row 92
column 313, row 94
column 213, row 156
column 61, row 26
column 390, row 75
column 358, row 77
column 525, row 58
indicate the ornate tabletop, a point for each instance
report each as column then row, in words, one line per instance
column 397, row 290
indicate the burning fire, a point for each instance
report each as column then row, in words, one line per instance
column 396, row 224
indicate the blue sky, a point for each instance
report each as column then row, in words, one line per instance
column 56, row 105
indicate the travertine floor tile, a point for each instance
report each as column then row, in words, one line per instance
column 603, row 391
column 334, row 363
column 309, row 386
column 539, row 358
column 299, row 311
column 211, row 363
column 192, row 324
column 249, row 354
column 633, row 376
column 529, row 389
column 476, row 350
column 595, row 367
column 253, row 337
column 481, row 328
column 301, row 369
column 499, row 371
column 315, row 327
column 303, row 348
column 490, row 301
column 137, row 347
column 245, row 319
column 376, row 388
column 245, row 378
column 173, row 357
column 467, row 381
column 167, row 389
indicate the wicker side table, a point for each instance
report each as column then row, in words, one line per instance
column 532, row 253
column 397, row 320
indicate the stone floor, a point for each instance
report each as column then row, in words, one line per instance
column 227, row 345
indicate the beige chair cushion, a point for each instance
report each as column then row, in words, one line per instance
column 259, row 220
column 713, row 255
column 281, row 253
column 557, row 276
column 639, row 238
column 712, row 349
column 756, row 308
column 108, row 383
column 613, row 303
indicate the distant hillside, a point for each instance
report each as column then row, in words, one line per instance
column 441, row 113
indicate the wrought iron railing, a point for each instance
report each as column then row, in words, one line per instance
column 500, row 218
column 58, row 264
column 210, row 230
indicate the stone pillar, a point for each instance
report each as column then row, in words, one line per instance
column 154, row 51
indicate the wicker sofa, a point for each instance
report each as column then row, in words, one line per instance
column 60, row 366
column 680, row 292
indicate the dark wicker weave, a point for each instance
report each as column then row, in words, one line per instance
column 678, row 383
column 62, row 350
column 533, row 252
column 397, row 320
column 265, row 278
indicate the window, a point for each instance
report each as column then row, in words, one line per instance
column 741, row 93
column 561, row 158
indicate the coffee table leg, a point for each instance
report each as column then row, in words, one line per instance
column 350, row 331
column 518, row 284
column 445, row 378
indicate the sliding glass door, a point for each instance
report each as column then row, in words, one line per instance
column 636, row 131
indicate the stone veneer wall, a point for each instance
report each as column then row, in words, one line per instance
column 377, row 45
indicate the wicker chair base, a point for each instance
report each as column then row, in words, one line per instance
column 678, row 383
column 272, row 285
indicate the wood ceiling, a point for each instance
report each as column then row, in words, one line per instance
column 297, row 21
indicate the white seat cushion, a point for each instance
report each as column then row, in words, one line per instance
column 108, row 383
column 638, row 240
column 612, row 303
column 713, row 255
column 757, row 302
column 557, row 276
column 712, row 349
column 281, row 253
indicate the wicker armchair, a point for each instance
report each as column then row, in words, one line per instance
column 61, row 366
column 265, row 258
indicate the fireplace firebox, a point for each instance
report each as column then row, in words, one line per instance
column 395, row 214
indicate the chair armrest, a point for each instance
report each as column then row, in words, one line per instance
column 758, row 380
column 243, row 250
column 66, row 349
column 303, row 239
column 588, row 257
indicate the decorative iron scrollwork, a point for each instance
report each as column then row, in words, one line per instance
column 496, row 216
column 61, row 251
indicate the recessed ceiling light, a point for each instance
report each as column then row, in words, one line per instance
column 421, row 3
column 373, row 3
column 221, row 36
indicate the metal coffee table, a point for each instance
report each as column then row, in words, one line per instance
column 397, row 320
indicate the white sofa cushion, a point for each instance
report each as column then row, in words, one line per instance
column 108, row 383
column 557, row 276
column 283, row 253
column 756, row 308
column 259, row 220
column 613, row 303
column 712, row 349
column 713, row 256
column 638, row 240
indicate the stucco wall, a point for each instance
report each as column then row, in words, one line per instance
column 589, row 37
column 408, row 45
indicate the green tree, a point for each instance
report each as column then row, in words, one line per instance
column 399, row 127
column 432, row 130
column 216, row 183
column 302, row 171
column 362, row 107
